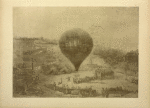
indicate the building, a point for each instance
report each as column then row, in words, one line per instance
column 104, row 73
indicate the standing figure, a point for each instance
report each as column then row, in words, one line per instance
column 66, row 89
column 107, row 93
column 103, row 92
column 54, row 85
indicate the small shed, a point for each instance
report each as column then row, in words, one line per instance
column 104, row 73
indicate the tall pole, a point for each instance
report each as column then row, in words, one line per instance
column 32, row 64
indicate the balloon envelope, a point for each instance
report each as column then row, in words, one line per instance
column 76, row 45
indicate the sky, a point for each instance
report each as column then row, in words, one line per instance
column 113, row 27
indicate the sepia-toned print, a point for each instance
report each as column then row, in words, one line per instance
column 75, row 52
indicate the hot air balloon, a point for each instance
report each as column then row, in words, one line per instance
column 76, row 44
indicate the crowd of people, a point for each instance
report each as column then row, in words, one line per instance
column 116, row 90
column 83, row 92
column 82, row 80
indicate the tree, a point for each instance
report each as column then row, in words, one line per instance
column 131, row 58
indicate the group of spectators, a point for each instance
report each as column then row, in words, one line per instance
column 84, row 92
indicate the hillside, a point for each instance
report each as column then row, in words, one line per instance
column 119, row 59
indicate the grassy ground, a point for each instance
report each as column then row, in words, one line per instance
column 45, row 50
column 98, row 84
